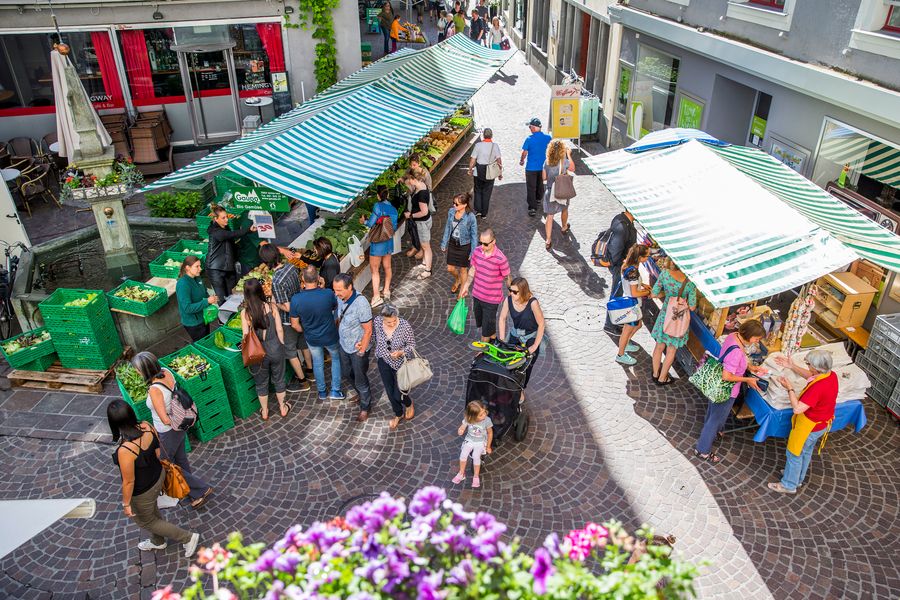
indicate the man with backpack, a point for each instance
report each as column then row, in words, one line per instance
column 620, row 236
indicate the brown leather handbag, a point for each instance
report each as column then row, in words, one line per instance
column 252, row 349
column 174, row 485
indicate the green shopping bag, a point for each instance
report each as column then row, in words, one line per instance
column 210, row 314
column 457, row 321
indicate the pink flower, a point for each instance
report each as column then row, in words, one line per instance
column 165, row 594
column 598, row 534
column 577, row 545
column 213, row 559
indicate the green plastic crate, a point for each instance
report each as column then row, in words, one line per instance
column 210, row 385
column 25, row 356
column 102, row 325
column 54, row 307
column 226, row 359
column 140, row 407
column 158, row 268
column 40, row 364
column 99, row 360
column 139, row 308
column 194, row 245
column 105, row 340
column 215, row 424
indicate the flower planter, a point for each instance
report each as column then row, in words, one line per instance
column 90, row 193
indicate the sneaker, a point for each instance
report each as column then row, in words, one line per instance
column 777, row 487
column 531, row 213
column 323, row 396
column 613, row 331
column 309, row 375
column 459, row 478
column 149, row 546
column 626, row 360
column 377, row 301
column 476, row 482
column 337, row 395
column 298, row 385
column 630, row 347
column 191, row 546
column 352, row 394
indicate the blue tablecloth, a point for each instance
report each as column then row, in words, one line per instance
column 772, row 422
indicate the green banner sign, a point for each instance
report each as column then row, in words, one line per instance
column 690, row 114
column 758, row 127
column 254, row 198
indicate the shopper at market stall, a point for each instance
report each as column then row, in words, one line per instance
column 631, row 287
column 192, row 299
column 534, row 151
column 459, row 18
column 380, row 252
column 286, row 283
column 330, row 265
column 495, row 34
column 671, row 285
column 394, row 340
column 489, row 272
column 385, row 21
column 248, row 252
column 313, row 309
column 559, row 158
column 623, row 236
column 443, row 25
column 396, row 30
column 160, row 385
column 264, row 318
column 355, row 333
column 477, row 28
column 419, row 216
column 734, row 365
column 460, row 233
column 483, row 11
column 137, row 456
column 484, row 154
column 528, row 322
column 813, row 413
column 416, row 166
column 222, row 254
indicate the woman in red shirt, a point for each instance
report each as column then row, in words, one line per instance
column 813, row 413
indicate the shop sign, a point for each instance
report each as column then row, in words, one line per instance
column 565, row 113
column 690, row 113
column 758, row 127
column 254, row 198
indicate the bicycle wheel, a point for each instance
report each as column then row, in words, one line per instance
column 6, row 318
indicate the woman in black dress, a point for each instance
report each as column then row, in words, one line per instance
column 460, row 237
column 330, row 265
column 528, row 321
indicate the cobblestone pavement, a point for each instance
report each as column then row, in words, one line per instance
column 604, row 443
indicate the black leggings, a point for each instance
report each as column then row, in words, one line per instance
column 398, row 399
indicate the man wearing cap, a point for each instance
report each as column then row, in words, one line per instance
column 534, row 151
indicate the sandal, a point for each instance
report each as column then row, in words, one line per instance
column 566, row 229
column 668, row 381
column 202, row 499
column 394, row 423
column 410, row 252
column 377, row 301
column 285, row 410
column 712, row 457
column 424, row 274
column 548, row 245
column 720, row 435
column 409, row 413
column 264, row 417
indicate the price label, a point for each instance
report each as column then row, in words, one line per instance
column 265, row 226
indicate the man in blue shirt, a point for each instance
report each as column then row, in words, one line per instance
column 312, row 312
column 534, row 153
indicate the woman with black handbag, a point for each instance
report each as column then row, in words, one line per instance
column 137, row 457
column 380, row 250
column 161, row 385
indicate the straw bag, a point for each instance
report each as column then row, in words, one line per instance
column 413, row 372
column 563, row 186
column 678, row 315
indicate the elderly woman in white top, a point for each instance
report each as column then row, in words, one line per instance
column 484, row 153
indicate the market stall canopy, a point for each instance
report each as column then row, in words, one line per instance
column 336, row 144
column 665, row 138
column 734, row 238
column 872, row 158
column 21, row 520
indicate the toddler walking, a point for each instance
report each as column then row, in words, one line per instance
column 478, row 440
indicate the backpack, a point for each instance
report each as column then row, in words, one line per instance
column 182, row 410
column 600, row 249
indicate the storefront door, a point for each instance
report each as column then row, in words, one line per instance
column 213, row 103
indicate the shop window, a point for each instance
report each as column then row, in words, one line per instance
column 151, row 66
column 521, row 16
column 626, row 73
column 772, row 4
column 26, row 77
column 653, row 92
column 850, row 159
column 892, row 23
column 257, row 53
column 541, row 26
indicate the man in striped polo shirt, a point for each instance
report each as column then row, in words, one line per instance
column 490, row 272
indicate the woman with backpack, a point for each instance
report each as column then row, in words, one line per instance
column 674, row 320
column 419, row 217
column 137, row 457
column 162, row 400
column 381, row 245
column 263, row 318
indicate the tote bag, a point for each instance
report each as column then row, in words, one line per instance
column 708, row 379
column 623, row 309
column 413, row 372
column 563, row 186
column 492, row 169
column 678, row 315
column 252, row 349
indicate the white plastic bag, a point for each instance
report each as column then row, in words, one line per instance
column 355, row 249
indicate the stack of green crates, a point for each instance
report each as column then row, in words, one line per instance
column 32, row 358
column 208, row 391
column 238, row 380
column 85, row 337
column 186, row 247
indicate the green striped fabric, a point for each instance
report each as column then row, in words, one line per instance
column 870, row 157
column 734, row 238
column 868, row 239
column 331, row 148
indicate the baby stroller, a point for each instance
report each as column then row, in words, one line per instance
column 499, row 388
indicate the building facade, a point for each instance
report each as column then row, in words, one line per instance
column 198, row 60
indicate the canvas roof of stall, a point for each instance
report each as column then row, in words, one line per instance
column 329, row 149
column 739, row 223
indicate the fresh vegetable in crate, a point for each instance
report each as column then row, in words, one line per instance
column 189, row 366
column 132, row 381
column 192, row 251
column 25, row 341
column 262, row 273
column 223, row 344
column 171, row 262
column 83, row 301
column 136, row 294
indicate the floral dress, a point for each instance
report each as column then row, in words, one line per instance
column 670, row 286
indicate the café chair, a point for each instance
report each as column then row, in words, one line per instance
column 52, row 158
column 34, row 183
column 21, row 150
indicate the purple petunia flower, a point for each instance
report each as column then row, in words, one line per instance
column 287, row 562
column 551, row 543
column 275, row 590
column 453, row 538
column 265, row 562
column 459, row 514
column 429, row 587
column 427, row 500
column 356, row 516
column 484, row 521
column 462, row 573
column 542, row 570
column 361, row 596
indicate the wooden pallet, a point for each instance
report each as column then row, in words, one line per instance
column 58, row 378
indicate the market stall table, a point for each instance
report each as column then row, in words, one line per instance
column 773, row 422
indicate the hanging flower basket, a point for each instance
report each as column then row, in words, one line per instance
column 124, row 178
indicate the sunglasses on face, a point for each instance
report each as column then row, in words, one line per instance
column 486, row 243
column 513, row 290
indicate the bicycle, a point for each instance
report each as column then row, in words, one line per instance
column 7, row 279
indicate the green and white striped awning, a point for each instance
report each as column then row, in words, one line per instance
column 735, row 238
column 329, row 149
column 872, row 158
